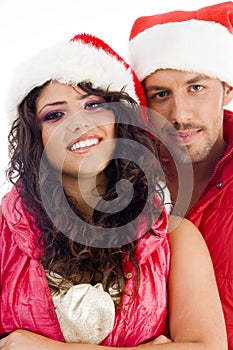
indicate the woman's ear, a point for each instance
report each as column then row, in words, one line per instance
column 228, row 94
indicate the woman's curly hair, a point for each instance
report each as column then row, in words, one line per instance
column 77, row 252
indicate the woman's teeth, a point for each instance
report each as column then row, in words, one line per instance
column 84, row 143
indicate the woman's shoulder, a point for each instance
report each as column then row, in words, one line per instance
column 180, row 224
column 184, row 234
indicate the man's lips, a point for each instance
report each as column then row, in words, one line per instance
column 84, row 144
column 184, row 137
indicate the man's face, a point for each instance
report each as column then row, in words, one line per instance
column 192, row 103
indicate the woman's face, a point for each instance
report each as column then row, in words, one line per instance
column 77, row 131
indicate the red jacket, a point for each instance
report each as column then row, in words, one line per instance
column 25, row 300
column 213, row 215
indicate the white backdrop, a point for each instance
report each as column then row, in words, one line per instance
column 27, row 25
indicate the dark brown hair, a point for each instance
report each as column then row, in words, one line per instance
column 63, row 253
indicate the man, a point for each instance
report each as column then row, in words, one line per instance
column 185, row 62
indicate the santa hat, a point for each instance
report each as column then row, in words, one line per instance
column 194, row 41
column 85, row 58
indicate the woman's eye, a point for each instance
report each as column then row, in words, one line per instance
column 53, row 116
column 93, row 105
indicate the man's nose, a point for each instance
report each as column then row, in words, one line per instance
column 180, row 110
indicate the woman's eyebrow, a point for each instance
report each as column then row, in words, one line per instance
column 52, row 104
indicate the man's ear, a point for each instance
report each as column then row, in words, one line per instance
column 228, row 94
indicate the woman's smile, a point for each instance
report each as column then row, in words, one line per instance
column 84, row 144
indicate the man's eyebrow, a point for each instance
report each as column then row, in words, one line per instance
column 155, row 87
column 194, row 80
column 197, row 79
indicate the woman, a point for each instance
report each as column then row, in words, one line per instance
column 85, row 259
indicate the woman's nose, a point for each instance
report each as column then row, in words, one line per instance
column 79, row 121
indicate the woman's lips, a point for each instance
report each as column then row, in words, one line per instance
column 84, row 144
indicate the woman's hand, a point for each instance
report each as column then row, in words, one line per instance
column 159, row 340
column 25, row 340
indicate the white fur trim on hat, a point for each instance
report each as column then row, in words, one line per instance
column 69, row 63
column 194, row 45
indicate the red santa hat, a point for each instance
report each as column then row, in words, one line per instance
column 195, row 41
column 85, row 58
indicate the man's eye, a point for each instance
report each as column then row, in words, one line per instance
column 195, row 88
column 159, row 95
column 162, row 94
column 53, row 116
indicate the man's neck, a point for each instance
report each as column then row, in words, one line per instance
column 197, row 177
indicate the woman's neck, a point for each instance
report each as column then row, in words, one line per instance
column 86, row 191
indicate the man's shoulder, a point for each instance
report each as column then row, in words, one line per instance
column 228, row 127
column 228, row 113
